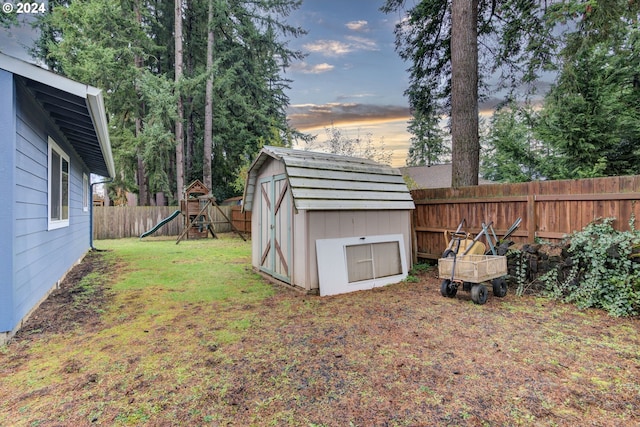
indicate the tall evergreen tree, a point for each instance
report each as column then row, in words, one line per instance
column 7, row 20
column 249, row 92
column 427, row 145
column 156, row 138
column 465, row 144
column 208, row 102
column 511, row 153
column 511, row 37
column 127, row 48
column 101, row 43
column 591, row 116
column 179, row 124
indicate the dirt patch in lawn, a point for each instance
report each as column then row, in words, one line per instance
column 402, row 355
column 78, row 301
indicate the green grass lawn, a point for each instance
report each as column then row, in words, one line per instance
column 190, row 335
column 169, row 307
column 192, row 271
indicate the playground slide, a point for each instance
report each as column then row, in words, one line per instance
column 160, row 224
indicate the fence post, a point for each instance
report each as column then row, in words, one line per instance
column 414, row 238
column 531, row 217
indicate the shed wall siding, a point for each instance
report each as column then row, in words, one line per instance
column 7, row 184
column 335, row 224
column 41, row 256
column 301, row 257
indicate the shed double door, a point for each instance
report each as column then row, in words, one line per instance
column 275, row 229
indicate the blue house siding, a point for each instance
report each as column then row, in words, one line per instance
column 7, row 184
column 36, row 108
column 40, row 256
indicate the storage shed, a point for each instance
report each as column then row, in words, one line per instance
column 328, row 223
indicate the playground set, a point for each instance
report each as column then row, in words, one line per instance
column 196, row 209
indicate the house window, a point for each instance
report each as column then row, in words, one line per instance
column 85, row 192
column 58, row 186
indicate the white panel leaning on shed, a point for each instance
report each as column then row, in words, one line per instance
column 326, row 196
column 359, row 263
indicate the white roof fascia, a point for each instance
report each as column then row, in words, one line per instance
column 34, row 72
column 95, row 104
column 91, row 95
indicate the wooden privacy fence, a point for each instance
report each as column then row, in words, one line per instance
column 115, row 222
column 549, row 209
column 241, row 220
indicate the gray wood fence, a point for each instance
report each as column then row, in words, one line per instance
column 115, row 222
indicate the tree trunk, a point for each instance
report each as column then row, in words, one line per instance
column 208, row 107
column 188, row 68
column 190, row 131
column 465, row 143
column 141, row 174
column 143, row 180
column 180, row 120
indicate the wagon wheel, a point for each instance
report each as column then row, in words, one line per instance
column 479, row 294
column 448, row 288
column 499, row 287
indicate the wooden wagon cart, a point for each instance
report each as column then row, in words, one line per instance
column 471, row 271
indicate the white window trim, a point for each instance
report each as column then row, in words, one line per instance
column 56, row 223
column 85, row 193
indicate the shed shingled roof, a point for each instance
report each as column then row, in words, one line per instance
column 321, row 181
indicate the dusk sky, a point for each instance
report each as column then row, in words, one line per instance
column 351, row 77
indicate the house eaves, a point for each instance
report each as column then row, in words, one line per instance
column 321, row 181
column 77, row 109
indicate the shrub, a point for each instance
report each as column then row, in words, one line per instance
column 603, row 274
